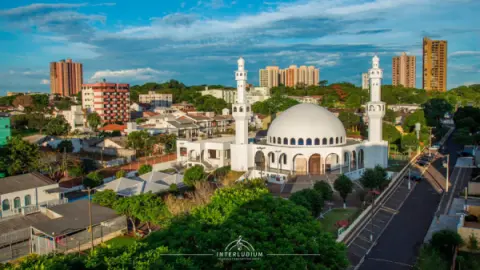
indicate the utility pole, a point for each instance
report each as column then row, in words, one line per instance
column 447, row 178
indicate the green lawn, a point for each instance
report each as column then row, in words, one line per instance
column 330, row 219
column 121, row 241
column 171, row 170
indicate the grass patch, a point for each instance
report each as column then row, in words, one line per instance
column 24, row 132
column 170, row 170
column 121, row 241
column 330, row 219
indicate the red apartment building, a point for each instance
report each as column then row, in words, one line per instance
column 110, row 100
column 66, row 77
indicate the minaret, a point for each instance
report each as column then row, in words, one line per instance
column 241, row 109
column 241, row 113
column 375, row 108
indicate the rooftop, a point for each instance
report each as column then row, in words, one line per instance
column 22, row 182
column 74, row 218
column 113, row 127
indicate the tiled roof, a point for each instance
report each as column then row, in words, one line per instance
column 113, row 127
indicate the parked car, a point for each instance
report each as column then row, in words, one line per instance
column 422, row 163
column 415, row 176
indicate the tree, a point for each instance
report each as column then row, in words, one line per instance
column 57, row 126
column 349, row 119
column 430, row 259
column 23, row 100
column 94, row 120
column 353, row 101
column 93, row 179
column 325, row 189
column 66, row 146
column 409, row 141
column 276, row 103
column 145, row 168
column 37, row 121
column 169, row 142
column 311, row 199
column 374, row 178
column 391, row 134
column 463, row 137
column 150, row 209
column 75, row 171
column 120, row 174
column 344, row 186
column 410, row 121
column 139, row 140
column 445, row 241
column 193, row 174
column 18, row 156
column 467, row 123
column 435, row 109
column 126, row 206
column 105, row 198
column 390, row 116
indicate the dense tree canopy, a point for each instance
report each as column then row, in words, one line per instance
column 311, row 199
column 57, row 126
column 18, row 156
column 277, row 103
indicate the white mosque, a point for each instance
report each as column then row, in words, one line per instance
column 306, row 139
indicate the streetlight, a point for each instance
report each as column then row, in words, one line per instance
column 447, row 165
column 373, row 192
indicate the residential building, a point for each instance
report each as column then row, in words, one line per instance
column 156, row 99
column 184, row 107
column 434, row 65
column 5, row 131
column 19, row 193
column 229, row 95
column 66, row 77
column 75, row 117
column 365, row 82
column 304, row 75
column 110, row 100
column 308, row 99
column 404, row 70
column 282, row 76
column 269, row 77
column 113, row 127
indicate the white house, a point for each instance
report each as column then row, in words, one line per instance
column 19, row 192
column 75, row 117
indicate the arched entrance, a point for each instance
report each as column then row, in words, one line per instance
column 314, row 164
column 332, row 162
column 260, row 161
column 361, row 159
column 353, row 165
column 282, row 161
column 299, row 164
column 193, row 155
column 271, row 160
column 346, row 161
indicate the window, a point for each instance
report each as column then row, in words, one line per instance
column 285, row 141
column 317, row 141
column 331, row 140
column 300, row 141
column 336, row 140
column 274, row 141
column 292, row 141
column 284, row 159
column 5, row 205
column 17, row 203
column 234, row 109
column 309, row 141
column 279, row 140
column 273, row 158
column 341, row 139
column 28, row 200
column 324, row 141
column 240, row 109
column 248, row 109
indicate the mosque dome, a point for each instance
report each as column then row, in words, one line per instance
column 306, row 125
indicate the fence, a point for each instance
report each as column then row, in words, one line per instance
column 79, row 240
column 14, row 244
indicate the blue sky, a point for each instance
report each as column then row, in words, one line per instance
column 197, row 42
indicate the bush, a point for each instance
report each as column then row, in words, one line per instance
column 325, row 189
column 93, row 179
column 144, row 169
column 105, row 198
column 445, row 241
column 120, row 174
column 193, row 174
column 75, row 171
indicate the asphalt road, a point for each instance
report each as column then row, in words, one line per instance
column 397, row 248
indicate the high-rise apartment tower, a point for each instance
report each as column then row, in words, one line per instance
column 434, row 65
column 404, row 70
column 66, row 77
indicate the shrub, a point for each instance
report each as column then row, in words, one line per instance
column 325, row 189
column 93, row 179
column 194, row 174
column 144, row 169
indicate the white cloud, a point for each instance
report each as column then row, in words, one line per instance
column 465, row 53
column 324, row 60
column 76, row 50
column 139, row 74
column 45, row 81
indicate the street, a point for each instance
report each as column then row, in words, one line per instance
column 398, row 246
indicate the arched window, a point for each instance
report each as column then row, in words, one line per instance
column 341, row 139
column 28, row 200
column 284, row 159
column 248, row 109
column 324, row 141
column 285, row 141
column 292, row 141
column 336, row 140
column 274, row 140
column 300, row 141
column 279, row 140
column 317, row 141
column 309, row 141
column 234, row 109
column 16, row 203
column 273, row 158
column 240, row 109
column 5, row 205
column 331, row 140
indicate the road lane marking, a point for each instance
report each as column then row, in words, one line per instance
column 389, row 261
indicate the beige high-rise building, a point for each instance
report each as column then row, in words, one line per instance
column 434, row 65
column 404, row 70
column 269, row 77
column 302, row 75
column 263, row 78
column 291, row 77
column 66, row 77
column 282, row 76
